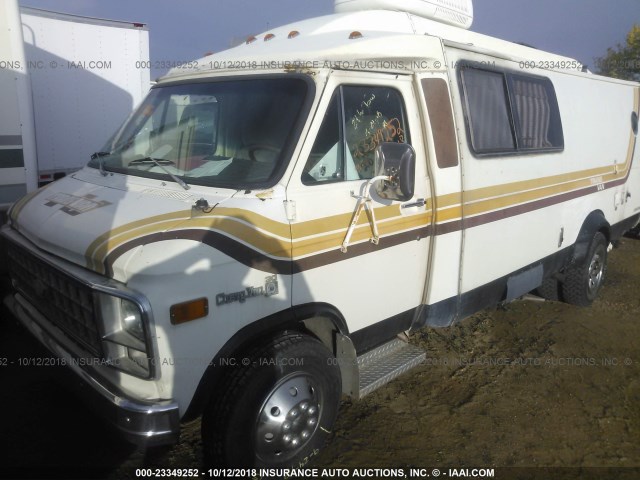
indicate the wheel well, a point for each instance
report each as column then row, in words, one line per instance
column 595, row 222
column 606, row 231
column 320, row 321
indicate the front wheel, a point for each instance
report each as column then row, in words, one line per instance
column 276, row 408
column 583, row 281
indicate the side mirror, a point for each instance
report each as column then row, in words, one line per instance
column 397, row 161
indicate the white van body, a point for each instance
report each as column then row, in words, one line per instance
column 91, row 72
column 522, row 169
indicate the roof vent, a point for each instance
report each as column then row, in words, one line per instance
column 452, row 12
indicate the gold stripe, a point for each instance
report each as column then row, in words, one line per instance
column 339, row 222
column 99, row 248
column 109, row 241
column 263, row 241
column 22, row 202
column 248, row 234
column 519, row 187
column 363, row 232
column 448, row 200
column 92, row 254
column 112, row 239
column 276, row 228
column 446, row 214
column 516, row 199
column 230, row 220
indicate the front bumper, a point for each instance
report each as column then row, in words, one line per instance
column 140, row 422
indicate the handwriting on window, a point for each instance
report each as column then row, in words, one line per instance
column 378, row 132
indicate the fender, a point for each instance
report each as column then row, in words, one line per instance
column 595, row 222
column 245, row 338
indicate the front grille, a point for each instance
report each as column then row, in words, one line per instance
column 64, row 301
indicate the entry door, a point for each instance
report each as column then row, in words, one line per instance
column 367, row 282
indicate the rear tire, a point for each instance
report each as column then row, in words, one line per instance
column 583, row 281
column 550, row 289
column 276, row 408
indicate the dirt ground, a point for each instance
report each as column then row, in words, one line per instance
column 534, row 384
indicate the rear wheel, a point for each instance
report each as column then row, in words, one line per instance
column 276, row 408
column 550, row 289
column 583, row 281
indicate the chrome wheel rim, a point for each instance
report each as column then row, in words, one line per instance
column 288, row 418
column 596, row 272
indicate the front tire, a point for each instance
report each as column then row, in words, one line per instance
column 276, row 408
column 583, row 281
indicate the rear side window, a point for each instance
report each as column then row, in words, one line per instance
column 537, row 117
column 509, row 113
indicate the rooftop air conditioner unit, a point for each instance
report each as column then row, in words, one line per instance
column 452, row 12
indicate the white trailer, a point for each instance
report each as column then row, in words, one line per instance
column 216, row 259
column 80, row 76
column 18, row 164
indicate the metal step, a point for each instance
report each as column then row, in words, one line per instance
column 386, row 362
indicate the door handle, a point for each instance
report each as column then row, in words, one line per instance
column 418, row 203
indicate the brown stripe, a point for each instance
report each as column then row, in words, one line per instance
column 449, row 227
column 526, row 208
column 256, row 260
column 236, row 250
column 359, row 249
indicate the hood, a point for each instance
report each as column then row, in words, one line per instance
column 78, row 216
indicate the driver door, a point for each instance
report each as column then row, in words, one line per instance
column 375, row 286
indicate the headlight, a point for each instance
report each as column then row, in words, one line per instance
column 131, row 319
column 124, row 341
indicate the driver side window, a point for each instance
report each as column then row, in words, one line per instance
column 358, row 119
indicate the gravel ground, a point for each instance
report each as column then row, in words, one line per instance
column 535, row 384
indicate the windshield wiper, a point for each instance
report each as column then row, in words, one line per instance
column 155, row 161
column 99, row 156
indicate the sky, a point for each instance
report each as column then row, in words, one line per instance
column 183, row 30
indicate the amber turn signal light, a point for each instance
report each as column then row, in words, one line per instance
column 187, row 311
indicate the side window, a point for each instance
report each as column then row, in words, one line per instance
column 488, row 111
column 536, row 112
column 510, row 113
column 373, row 115
column 326, row 158
column 358, row 119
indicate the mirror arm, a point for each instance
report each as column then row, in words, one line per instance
column 364, row 201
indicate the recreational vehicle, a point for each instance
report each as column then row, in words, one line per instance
column 264, row 233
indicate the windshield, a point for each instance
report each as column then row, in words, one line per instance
column 235, row 134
